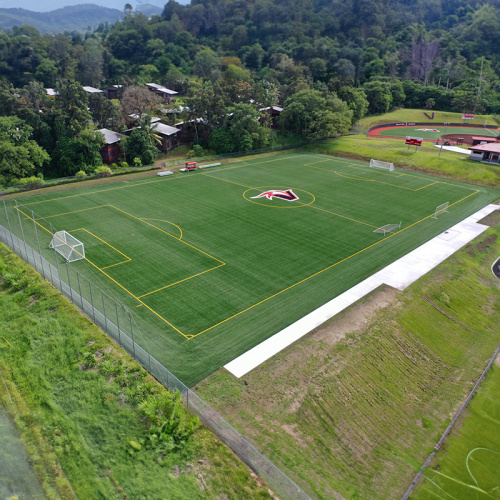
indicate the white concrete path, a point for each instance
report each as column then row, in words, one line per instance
column 399, row 274
column 455, row 149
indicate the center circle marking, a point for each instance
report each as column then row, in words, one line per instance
column 290, row 204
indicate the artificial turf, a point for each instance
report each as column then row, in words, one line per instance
column 208, row 271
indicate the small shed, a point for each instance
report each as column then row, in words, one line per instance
column 488, row 153
column 167, row 95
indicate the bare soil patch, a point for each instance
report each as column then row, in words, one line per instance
column 356, row 318
column 492, row 219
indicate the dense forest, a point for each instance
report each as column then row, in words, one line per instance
column 327, row 63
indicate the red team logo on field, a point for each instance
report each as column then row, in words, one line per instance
column 287, row 195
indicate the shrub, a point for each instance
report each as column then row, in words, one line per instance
column 81, row 174
column 103, row 171
column 32, row 182
column 137, row 162
column 114, row 166
column 124, row 164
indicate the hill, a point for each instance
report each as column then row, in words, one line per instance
column 71, row 18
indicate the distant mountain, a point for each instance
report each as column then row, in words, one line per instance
column 50, row 5
column 71, row 18
column 149, row 9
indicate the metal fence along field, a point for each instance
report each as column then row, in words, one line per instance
column 114, row 318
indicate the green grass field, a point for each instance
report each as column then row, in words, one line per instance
column 468, row 465
column 417, row 115
column 432, row 132
column 210, row 271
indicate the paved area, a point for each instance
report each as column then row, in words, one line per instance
column 399, row 274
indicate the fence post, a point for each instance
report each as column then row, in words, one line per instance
column 22, row 231
column 132, row 331
column 38, row 243
column 118, row 323
column 91, row 300
column 8, row 222
column 104, row 311
column 69, row 284
column 80, row 290
column 57, row 260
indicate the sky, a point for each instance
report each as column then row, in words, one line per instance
column 48, row 5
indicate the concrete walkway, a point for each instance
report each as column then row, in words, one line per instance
column 399, row 274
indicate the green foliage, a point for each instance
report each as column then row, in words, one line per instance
column 124, row 164
column 102, row 171
column 81, row 174
column 315, row 115
column 221, row 141
column 76, row 423
column 137, row 162
column 379, row 96
column 141, row 145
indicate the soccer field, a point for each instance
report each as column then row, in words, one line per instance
column 432, row 132
column 210, row 266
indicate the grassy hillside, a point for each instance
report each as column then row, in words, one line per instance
column 417, row 115
column 84, row 407
column 449, row 164
column 468, row 465
column 357, row 405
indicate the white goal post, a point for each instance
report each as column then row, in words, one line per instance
column 382, row 164
column 441, row 209
column 387, row 228
column 68, row 246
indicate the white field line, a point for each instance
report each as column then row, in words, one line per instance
column 399, row 274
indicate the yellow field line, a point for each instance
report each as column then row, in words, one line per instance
column 100, row 239
column 428, row 185
column 121, row 286
column 73, row 212
column 354, row 177
column 231, row 182
column 159, row 229
column 328, row 268
column 181, row 281
column 168, row 222
column 343, row 216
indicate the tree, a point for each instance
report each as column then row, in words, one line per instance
column 379, row 96
column 315, row 115
column 105, row 114
column 356, row 100
column 221, row 141
column 206, row 64
column 19, row 155
column 140, row 145
column 139, row 100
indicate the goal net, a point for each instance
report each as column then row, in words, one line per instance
column 441, row 209
column 382, row 164
column 387, row 228
column 68, row 246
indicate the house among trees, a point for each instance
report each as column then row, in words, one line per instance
column 273, row 112
column 113, row 91
column 169, row 136
column 167, row 95
column 489, row 153
column 51, row 93
column 111, row 151
column 92, row 90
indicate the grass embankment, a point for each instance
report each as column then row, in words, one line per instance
column 468, row 465
column 95, row 423
column 417, row 115
column 358, row 412
column 427, row 159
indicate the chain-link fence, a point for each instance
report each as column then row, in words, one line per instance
column 30, row 236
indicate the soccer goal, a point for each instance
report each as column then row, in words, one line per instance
column 388, row 228
column 382, row 164
column 441, row 209
column 68, row 246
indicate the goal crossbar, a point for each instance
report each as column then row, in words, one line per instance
column 382, row 164
column 387, row 228
column 441, row 209
column 68, row 246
